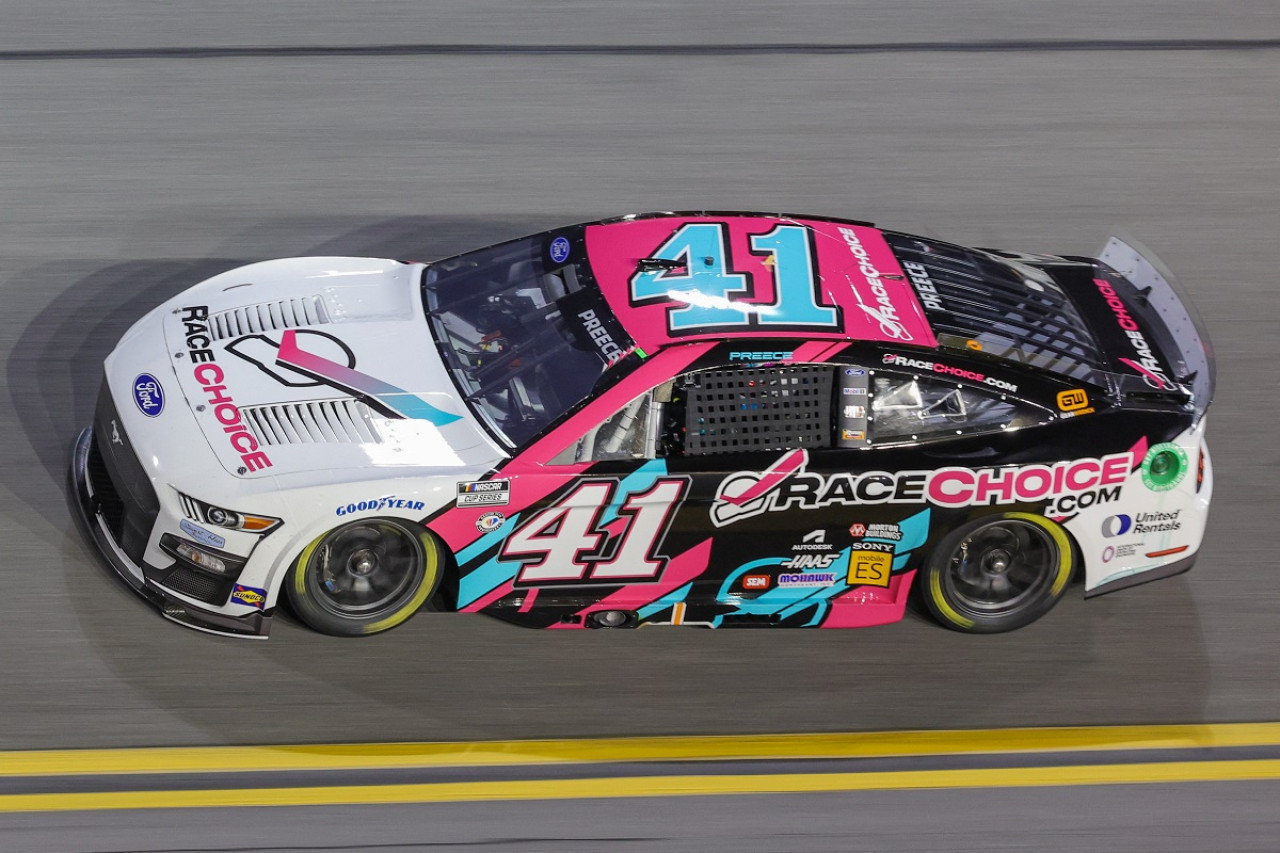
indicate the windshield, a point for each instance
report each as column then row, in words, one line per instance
column 524, row 339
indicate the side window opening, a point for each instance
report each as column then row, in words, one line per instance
column 909, row 408
column 743, row 409
column 633, row 432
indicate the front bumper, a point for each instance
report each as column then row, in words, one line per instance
column 106, row 516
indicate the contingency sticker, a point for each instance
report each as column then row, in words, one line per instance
column 484, row 493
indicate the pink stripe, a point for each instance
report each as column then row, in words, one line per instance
column 529, row 598
column 779, row 471
column 1138, row 452
column 864, row 606
column 816, row 352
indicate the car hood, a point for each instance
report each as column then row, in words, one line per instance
column 310, row 364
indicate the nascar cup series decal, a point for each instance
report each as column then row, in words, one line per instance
column 747, row 494
column 484, row 493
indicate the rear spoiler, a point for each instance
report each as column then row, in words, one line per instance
column 1159, row 300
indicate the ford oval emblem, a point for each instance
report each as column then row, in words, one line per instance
column 148, row 394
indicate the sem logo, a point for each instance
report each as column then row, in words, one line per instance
column 755, row 581
column 148, row 394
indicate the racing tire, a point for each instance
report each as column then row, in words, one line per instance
column 998, row 573
column 365, row 577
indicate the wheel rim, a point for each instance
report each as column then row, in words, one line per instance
column 365, row 569
column 1001, row 567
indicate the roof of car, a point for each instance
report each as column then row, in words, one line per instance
column 683, row 277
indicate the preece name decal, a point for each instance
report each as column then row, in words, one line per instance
column 948, row 370
column 1147, row 364
column 1066, row 486
column 883, row 312
column 210, row 376
column 925, row 288
column 603, row 341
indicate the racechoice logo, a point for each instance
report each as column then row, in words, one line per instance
column 785, row 484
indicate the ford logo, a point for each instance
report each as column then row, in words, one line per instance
column 148, row 394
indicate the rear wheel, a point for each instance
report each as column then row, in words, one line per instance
column 365, row 577
column 998, row 573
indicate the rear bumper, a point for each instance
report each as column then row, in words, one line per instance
column 94, row 494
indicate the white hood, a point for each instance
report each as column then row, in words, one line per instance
column 311, row 364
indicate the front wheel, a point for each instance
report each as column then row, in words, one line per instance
column 998, row 573
column 365, row 577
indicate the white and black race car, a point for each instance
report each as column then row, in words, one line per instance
column 699, row 418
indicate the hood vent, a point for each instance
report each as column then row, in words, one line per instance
column 343, row 421
column 268, row 317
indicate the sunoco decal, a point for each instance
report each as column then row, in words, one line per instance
column 484, row 493
column 249, row 596
column 1066, row 486
column 148, row 395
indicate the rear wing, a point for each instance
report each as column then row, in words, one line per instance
column 1160, row 301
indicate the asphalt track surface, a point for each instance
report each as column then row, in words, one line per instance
column 146, row 145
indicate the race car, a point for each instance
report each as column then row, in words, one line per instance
column 709, row 419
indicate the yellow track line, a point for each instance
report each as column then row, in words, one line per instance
column 533, row 752
column 655, row 786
